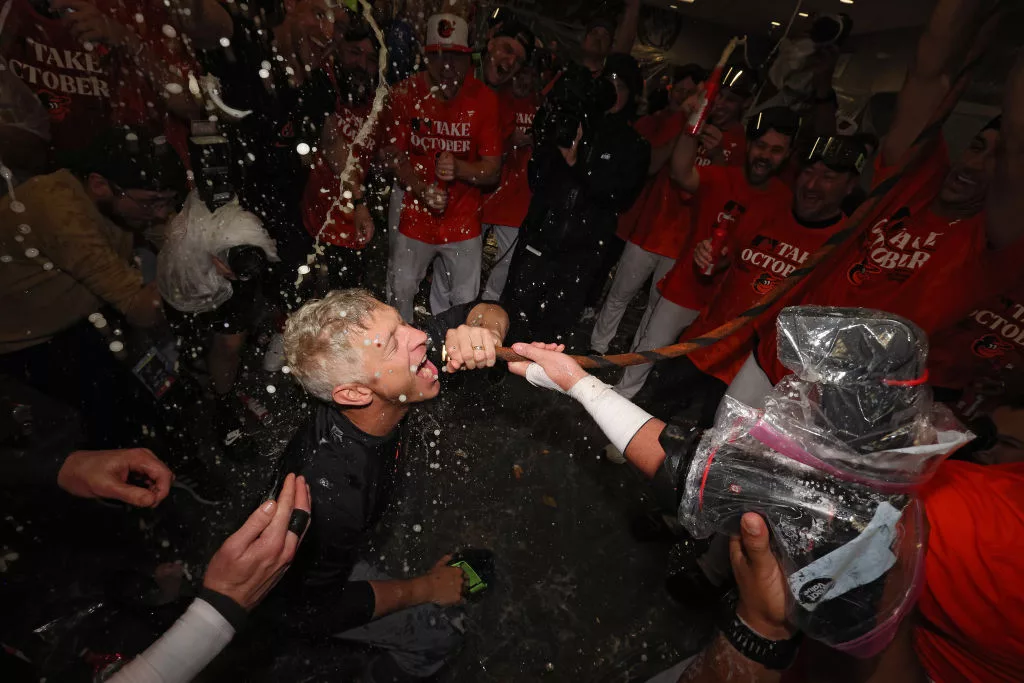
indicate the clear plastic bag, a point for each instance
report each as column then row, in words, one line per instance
column 833, row 463
column 186, row 275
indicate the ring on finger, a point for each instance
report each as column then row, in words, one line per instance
column 478, row 348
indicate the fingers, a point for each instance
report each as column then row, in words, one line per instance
column 302, row 502
column 274, row 535
column 443, row 562
column 257, row 523
column 528, row 351
column 754, row 538
column 133, row 495
column 144, row 461
column 519, row 367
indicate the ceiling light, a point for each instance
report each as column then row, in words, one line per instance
column 775, row 23
column 846, row 2
column 803, row 14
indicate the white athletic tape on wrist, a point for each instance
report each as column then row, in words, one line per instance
column 618, row 417
column 536, row 376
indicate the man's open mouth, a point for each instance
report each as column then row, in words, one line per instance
column 425, row 369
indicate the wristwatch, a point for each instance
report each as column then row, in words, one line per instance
column 772, row 654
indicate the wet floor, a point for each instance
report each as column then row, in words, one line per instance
column 493, row 463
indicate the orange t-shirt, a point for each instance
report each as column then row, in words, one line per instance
column 424, row 125
column 973, row 600
column 508, row 204
column 324, row 219
column 764, row 250
column 913, row 262
column 724, row 195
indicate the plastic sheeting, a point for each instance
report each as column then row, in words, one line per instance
column 833, row 463
column 186, row 272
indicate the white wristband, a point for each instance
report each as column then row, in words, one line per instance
column 536, row 376
column 618, row 417
column 180, row 654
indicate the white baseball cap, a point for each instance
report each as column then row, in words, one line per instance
column 447, row 33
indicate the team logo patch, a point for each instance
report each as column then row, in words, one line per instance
column 766, row 282
column 990, row 346
column 445, row 28
column 58, row 106
column 860, row 272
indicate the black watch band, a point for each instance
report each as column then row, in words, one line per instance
column 771, row 654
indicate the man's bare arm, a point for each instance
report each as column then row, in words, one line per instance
column 483, row 173
column 952, row 25
column 625, row 34
column 660, row 157
column 1006, row 200
column 644, row 450
column 490, row 316
column 205, row 22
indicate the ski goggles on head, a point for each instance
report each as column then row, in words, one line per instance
column 780, row 119
column 741, row 80
column 839, row 153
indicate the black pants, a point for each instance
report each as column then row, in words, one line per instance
column 545, row 295
column 677, row 390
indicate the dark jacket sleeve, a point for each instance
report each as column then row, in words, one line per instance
column 613, row 168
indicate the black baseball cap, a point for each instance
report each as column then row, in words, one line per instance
column 740, row 79
column 132, row 159
column 780, row 119
column 695, row 72
column 511, row 28
column 841, row 153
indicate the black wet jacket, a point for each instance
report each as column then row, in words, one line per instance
column 351, row 478
column 575, row 209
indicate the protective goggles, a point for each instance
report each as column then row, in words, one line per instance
column 780, row 119
column 740, row 80
column 839, row 153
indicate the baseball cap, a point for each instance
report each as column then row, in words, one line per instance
column 838, row 152
column 780, row 119
column 511, row 28
column 447, row 33
column 740, row 79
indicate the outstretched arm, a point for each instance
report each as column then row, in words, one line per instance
column 952, row 25
column 625, row 34
column 632, row 430
column 1006, row 201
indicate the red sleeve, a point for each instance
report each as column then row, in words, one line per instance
column 489, row 139
column 973, row 602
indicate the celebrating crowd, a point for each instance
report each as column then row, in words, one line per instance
column 372, row 197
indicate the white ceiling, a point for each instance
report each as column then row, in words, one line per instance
column 755, row 16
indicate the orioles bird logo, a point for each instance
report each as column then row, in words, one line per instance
column 58, row 106
column 990, row 346
column 445, row 28
column 766, row 283
column 859, row 272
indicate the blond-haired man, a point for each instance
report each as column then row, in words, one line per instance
column 367, row 367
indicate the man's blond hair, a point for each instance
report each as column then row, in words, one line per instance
column 318, row 340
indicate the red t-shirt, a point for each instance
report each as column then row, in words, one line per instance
column 912, row 262
column 988, row 343
column 764, row 251
column 318, row 207
column 87, row 91
column 424, row 125
column 724, row 195
column 508, row 204
column 973, row 601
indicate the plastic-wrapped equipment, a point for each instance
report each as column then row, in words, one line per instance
column 186, row 274
column 832, row 463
